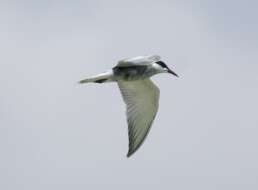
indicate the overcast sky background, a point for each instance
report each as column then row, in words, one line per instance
column 56, row 134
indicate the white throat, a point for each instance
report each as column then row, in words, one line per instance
column 158, row 68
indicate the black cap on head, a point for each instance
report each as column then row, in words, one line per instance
column 162, row 64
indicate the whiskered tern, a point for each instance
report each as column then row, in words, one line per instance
column 140, row 94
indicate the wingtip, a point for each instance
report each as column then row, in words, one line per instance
column 130, row 153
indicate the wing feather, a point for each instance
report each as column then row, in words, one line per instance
column 138, row 61
column 142, row 100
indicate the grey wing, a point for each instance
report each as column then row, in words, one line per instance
column 142, row 102
column 137, row 61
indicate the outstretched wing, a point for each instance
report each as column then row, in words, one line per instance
column 140, row 60
column 142, row 101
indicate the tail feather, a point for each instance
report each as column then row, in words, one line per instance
column 100, row 78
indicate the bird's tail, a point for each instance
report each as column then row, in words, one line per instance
column 100, row 78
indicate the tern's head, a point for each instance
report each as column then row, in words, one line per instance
column 163, row 68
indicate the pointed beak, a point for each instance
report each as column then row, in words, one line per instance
column 172, row 72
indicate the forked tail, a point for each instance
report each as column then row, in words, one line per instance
column 100, row 78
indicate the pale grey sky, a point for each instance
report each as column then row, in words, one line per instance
column 56, row 134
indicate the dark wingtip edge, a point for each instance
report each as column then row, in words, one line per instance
column 130, row 153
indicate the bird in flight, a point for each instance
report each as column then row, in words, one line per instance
column 140, row 94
